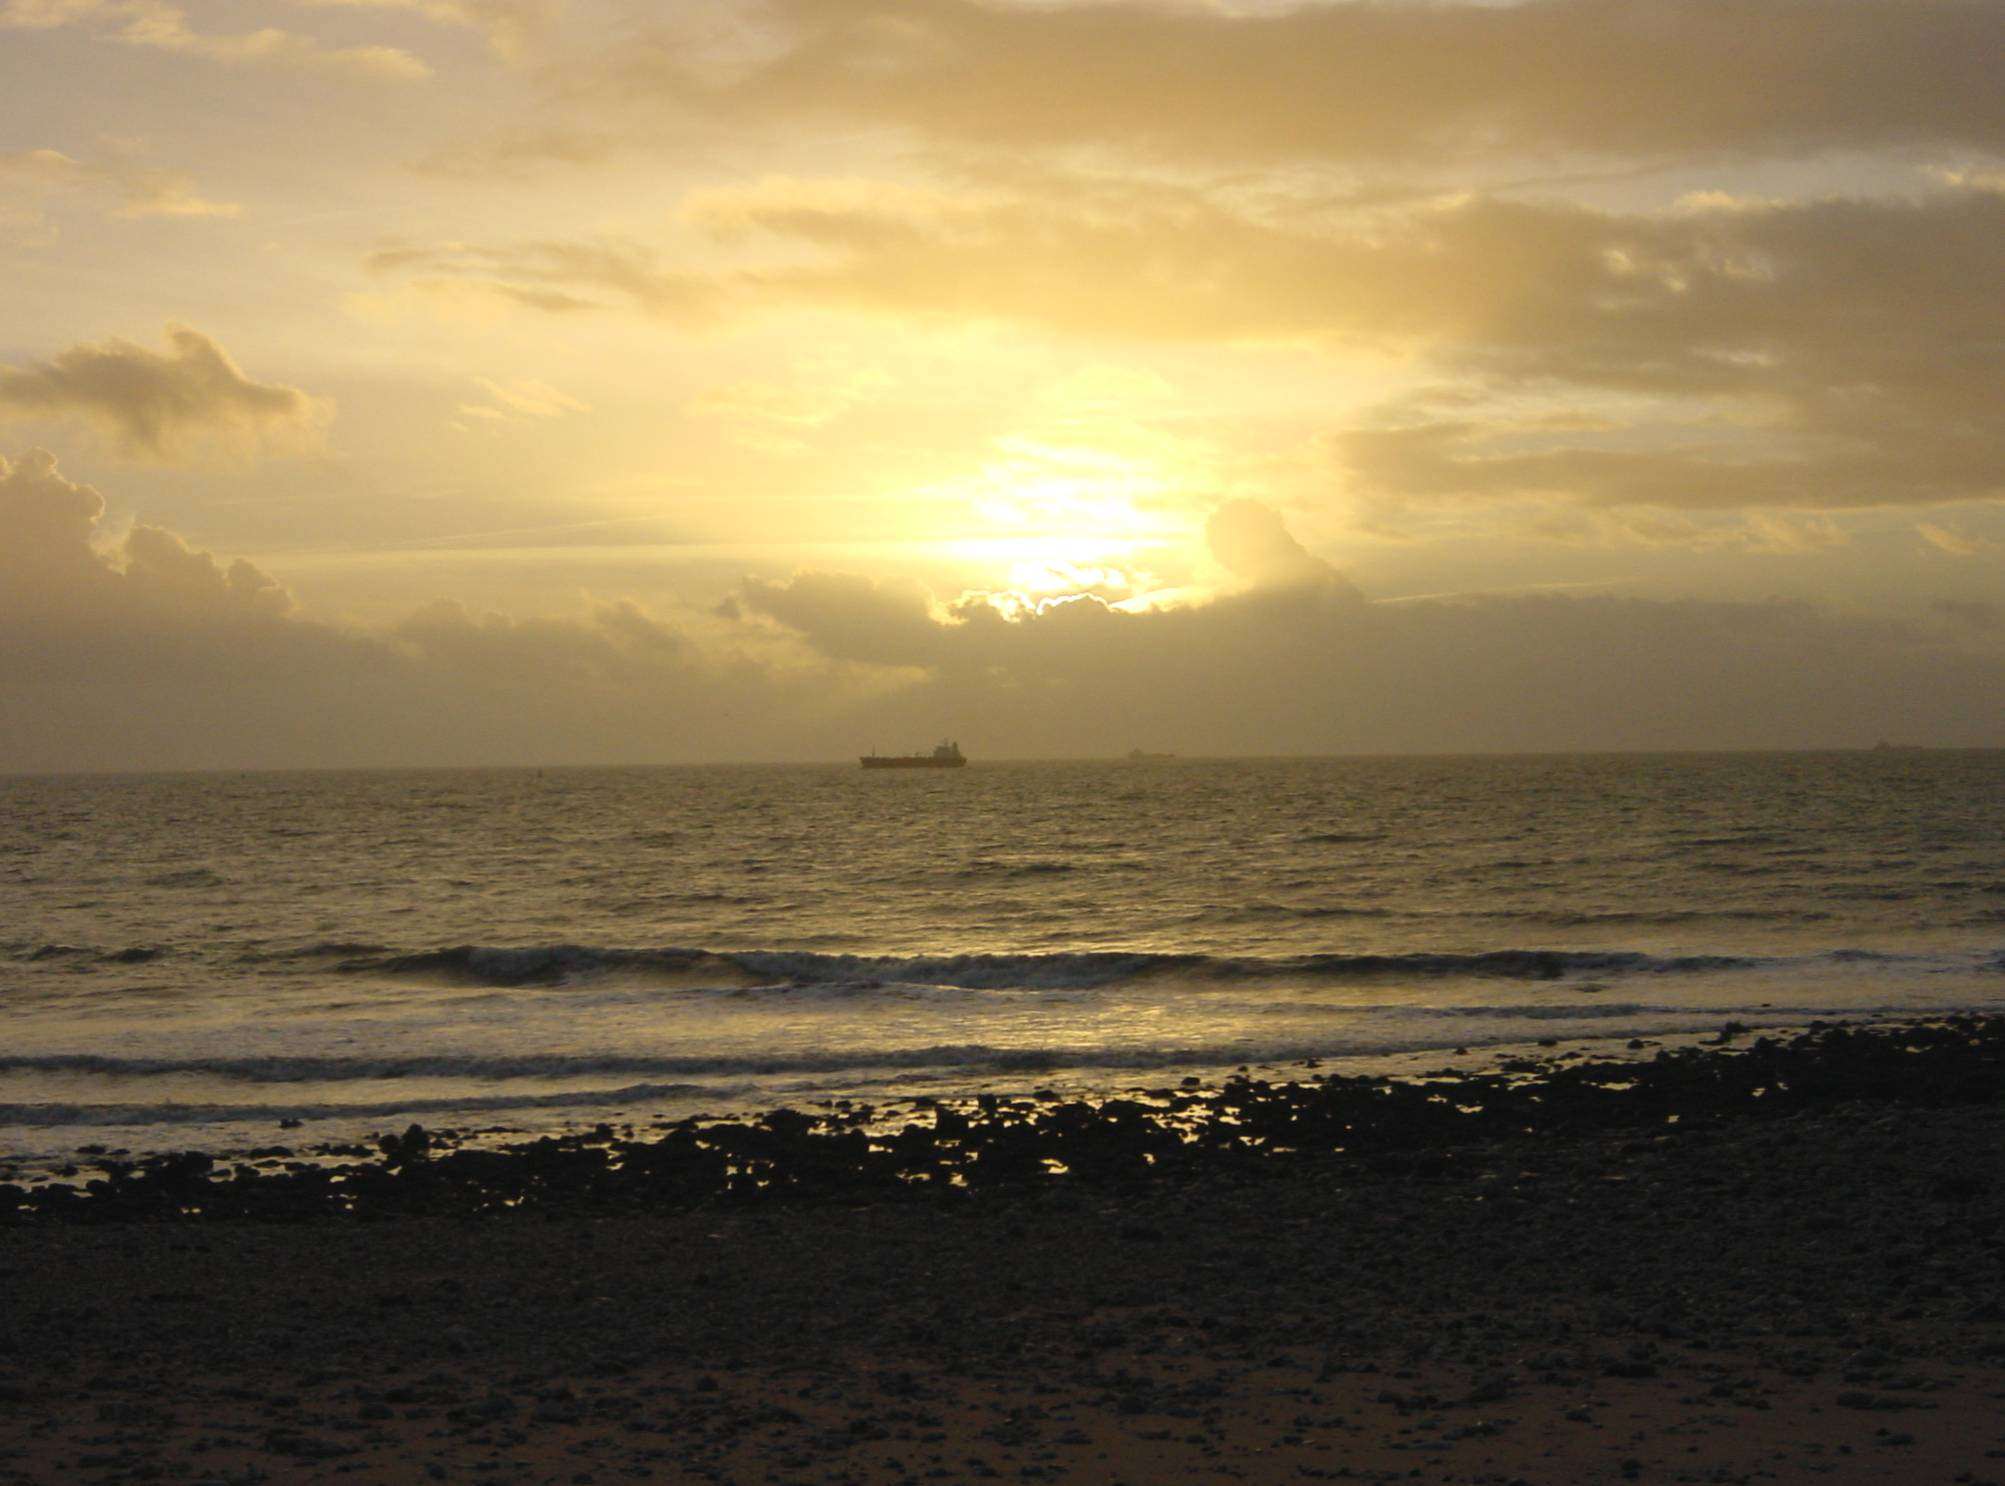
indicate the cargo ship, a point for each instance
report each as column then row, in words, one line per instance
column 946, row 756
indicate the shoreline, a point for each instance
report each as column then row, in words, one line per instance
column 939, row 1149
column 76, row 1150
column 87, row 1149
column 1804, row 1285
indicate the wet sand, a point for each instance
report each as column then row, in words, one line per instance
column 1788, row 1287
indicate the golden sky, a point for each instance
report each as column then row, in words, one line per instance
column 523, row 381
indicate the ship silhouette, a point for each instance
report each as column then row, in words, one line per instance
column 945, row 756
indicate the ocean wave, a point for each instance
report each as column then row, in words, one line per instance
column 1368, row 1029
column 552, row 964
column 191, row 877
column 1254, row 913
column 736, row 1080
column 1734, row 838
column 563, row 964
column 741, row 1081
column 1653, row 917
column 1003, row 867
column 81, row 954
column 326, row 949
column 1558, row 918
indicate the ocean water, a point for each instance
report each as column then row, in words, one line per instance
column 187, row 961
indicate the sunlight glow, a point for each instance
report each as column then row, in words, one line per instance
column 1053, row 522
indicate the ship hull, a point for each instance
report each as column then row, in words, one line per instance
column 916, row 761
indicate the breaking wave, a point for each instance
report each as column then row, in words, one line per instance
column 1399, row 1029
column 722, row 1082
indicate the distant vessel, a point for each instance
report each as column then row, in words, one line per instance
column 1138, row 756
column 946, row 756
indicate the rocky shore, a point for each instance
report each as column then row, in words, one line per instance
column 1763, row 1259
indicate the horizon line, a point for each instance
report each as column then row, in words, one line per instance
column 205, row 770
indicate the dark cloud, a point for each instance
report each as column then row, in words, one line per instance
column 1973, row 613
column 61, row 567
column 146, row 653
column 618, row 643
column 1355, row 83
column 1253, row 543
column 48, row 519
column 159, row 564
column 155, row 404
column 1306, row 669
column 851, row 617
column 1823, row 354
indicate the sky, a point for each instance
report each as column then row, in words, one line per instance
column 442, row 382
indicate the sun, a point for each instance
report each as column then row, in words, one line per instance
column 1053, row 519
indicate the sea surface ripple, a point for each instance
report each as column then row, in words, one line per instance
column 188, row 960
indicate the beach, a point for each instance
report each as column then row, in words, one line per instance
column 1800, row 1283
column 1124, row 742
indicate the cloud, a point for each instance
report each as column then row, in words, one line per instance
column 63, row 574
column 44, row 15
column 1826, row 353
column 1308, row 669
column 49, row 520
column 531, row 398
column 518, row 154
column 617, row 644
column 155, row 405
column 138, row 191
column 1347, row 83
column 147, row 653
column 159, row 561
column 850, row 617
column 511, row 26
column 523, row 398
column 1818, row 354
column 159, row 26
column 554, row 277
column 1956, row 543
column 1252, row 542
column 163, row 27
column 1974, row 613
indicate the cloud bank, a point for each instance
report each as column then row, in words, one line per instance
column 1355, row 84
column 149, row 653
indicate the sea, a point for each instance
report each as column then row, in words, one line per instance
column 228, row 961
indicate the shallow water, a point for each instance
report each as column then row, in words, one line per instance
column 187, row 960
